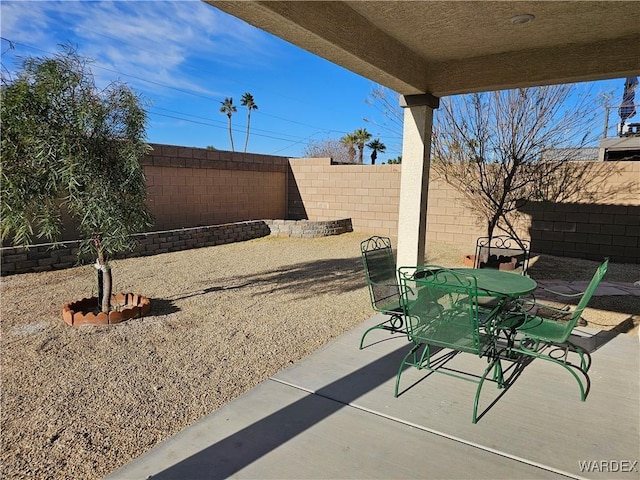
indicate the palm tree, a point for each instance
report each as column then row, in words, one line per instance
column 362, row 137
column 350, row 141
column 228, row 108
column 377, row 146
column 247, row 101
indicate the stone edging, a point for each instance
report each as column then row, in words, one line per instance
column 309, row 229
column 38, row 258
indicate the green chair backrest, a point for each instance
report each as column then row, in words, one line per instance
column 380, row 272
column 576, row 314
column 441, row 308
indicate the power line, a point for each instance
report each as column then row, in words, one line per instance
column 208, row 122
column 253, row 129
column 187, row 92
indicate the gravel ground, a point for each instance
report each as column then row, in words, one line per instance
column 80, row 402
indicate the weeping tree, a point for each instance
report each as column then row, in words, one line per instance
column 68, row 145
column 505, row 148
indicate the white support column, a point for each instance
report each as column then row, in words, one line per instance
column 414, row 179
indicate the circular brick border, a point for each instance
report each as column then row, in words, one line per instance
column 84, row 311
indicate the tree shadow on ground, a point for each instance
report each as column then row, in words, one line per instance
column 549, row 267
column 209, row 290
column 306, row 279
column 162, row 306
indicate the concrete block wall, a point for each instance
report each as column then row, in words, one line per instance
column 44, row 257
column 190, row 187
column 448, row 219
column 370, row 196
column 367, row 194
column 64, row 255
column 591, row 231
column 38, row 258
column 608, row 226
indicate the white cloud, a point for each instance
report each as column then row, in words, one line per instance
column 169, row 43
column 24, row 22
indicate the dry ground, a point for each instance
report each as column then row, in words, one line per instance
column 80, row 402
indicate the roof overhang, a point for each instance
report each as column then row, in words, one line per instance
column 452, row 47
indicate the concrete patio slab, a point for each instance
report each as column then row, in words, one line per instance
column 333, row 415
column 294, row 434
column 539, row 418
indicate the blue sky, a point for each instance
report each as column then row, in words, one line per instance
column 185, row 57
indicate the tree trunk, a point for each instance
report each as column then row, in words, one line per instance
column 231, row 134
column 106, row 288
column 104, row 276
column 246, row 140
column 491, row 226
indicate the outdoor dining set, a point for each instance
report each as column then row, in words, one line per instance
column 486, row 310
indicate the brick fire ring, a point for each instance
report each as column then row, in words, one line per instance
column 87, row 310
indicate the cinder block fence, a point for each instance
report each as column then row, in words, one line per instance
column 202, row 197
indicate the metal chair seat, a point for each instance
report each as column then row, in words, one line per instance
column 443, row 313
column 382, row 283
column 538, row 332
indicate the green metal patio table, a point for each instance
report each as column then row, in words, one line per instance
column 497, row 283
column 506, row 287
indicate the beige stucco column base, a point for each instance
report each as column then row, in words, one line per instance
column 414, row 183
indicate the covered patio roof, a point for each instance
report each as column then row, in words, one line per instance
column 428, row 49
column 452, row 47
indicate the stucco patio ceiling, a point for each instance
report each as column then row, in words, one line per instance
column 451, row 47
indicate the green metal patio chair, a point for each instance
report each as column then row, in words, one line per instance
column 501, row 252
column 542, row 327
column 382, row 281
column 445, row 314
column 492, row 252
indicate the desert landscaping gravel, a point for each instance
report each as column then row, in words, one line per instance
column 80, row 402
